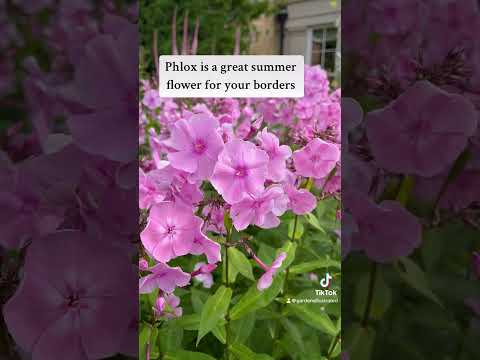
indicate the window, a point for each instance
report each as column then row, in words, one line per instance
column 322, row 48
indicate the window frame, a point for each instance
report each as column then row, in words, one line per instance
column 309, row 46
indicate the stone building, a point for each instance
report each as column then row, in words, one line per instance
column 306, row 27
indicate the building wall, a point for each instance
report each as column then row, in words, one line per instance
column 265, row 38
column 303, row 15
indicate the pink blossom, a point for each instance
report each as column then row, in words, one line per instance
column 277, row 155
column 153, row 187
column 203, row 245
column 352, row 115
column 182, row 191
column 386, row 231
column 226, row 132
column 266, row 279
column 215, row 218
column 167, row 306
column 151, row 99
column 416, row 135
column 143, row 264
column 316, row 159
column 330, row 183
column 197, row 144
column 101, row 96
column 85, row 304
column 261, row 210
column 241, row 171
column 163, row 277
column 170, row 231
column 202, row 273
column 24, row 211
column 300, row 201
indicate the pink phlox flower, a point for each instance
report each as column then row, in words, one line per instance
column 266, row 279
column 167, row 306
column 301, row 201
column 261, row 210
column 203, row 245
column 277, row 155
column 170, row 231
column 153, row 187
column 197, row 144
column 316, row 159
column 241, row 171
column 163, row 277
column 202, row 273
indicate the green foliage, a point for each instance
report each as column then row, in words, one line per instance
column 244, row 353
column 240, row 263
column 259, row 324
column 218, row 20
column 213, row 311
column 254, row 299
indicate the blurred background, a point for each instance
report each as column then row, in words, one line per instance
column 296, row 27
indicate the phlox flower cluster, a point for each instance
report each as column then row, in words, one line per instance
column 247, row 161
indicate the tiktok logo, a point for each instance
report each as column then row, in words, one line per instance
column 326, row 281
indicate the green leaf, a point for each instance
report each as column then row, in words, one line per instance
column 148, row 334
column 405, row 189
column 170, row 337
column 240, row 263
column 293, row 332
column 313, row 221
column 242, row 328
column 253, row 299
column 316, row 319
column 266, row 253
column 381, row 297
column 232, row 272
column 227, row 221
column 358, row 341
column 198, row 299
column 244, row 353
column 213, row 311
column 337, row 349
column 188, row 322
column 220, row 333
column 414, row 276
column 289, row 248
column 187, row 355
column 143, row 338
column 298, row 231
column 313, row 265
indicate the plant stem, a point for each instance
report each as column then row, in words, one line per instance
column 149, row 343
column 227, row 284
column 332, row 348
column 371, row 289
column 295, row 223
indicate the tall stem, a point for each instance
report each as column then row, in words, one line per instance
column 371, row 289
column 227, row 284
column 334, row 344
column 148, row 349
column 295, row 224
